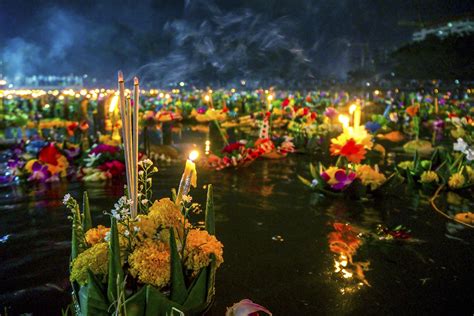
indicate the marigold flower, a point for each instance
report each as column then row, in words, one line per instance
column 166, row 213
column 456, row 181
column 370, row 177
column 429, row 177
column 96, row 235
column 351, row 150
column 94, row 259
column 150, row 263
column 199, row 247
column 412, row 110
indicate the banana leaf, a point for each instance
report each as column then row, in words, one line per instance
column 178, row 286
column 197, row 291
column 92, row 299
column 136, row 304
column 115, row 275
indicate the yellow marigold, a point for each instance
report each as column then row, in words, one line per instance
column 96, row 235
column 166, row 213
column 108, row 140
column 406, row 165
column 94, row 259
column 369, row 176
column 331, row 171
column 456, row 181
column 150, row 262
column 199, row 247
column 429, row 177
column 147, row 226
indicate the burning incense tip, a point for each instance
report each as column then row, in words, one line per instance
column 135, row 81
column 120, row 76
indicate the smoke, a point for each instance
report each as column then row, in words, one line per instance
column 199, row 41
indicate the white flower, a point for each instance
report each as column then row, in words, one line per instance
column 136, row 228
column 140, row 173
column 66, row 198
column 460, row 145
column 144, row 201
column 91, row 159
column 126, row 233
column 107, row 236
column 469, row 154
column 314, row 183
column 393, row 117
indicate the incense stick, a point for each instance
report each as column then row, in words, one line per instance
column 136, row 104
column 121, row 87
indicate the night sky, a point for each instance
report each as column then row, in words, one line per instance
column 169, row 41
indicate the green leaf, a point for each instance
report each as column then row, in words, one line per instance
column 115, row 275
column 136, row 304
column 312, row 170
column 157, row 304
column 210, row 216
column 197, row 291
column 178, row 286
column 305, row 181
column 87, row 220
column 92, row 299
column 211, row 279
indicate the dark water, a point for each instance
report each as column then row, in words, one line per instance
column 275, row 234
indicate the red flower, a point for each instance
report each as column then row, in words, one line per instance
column 71, row 127
column 231, row 147
column 84, row 126
column 49, row 154
column 114, row 167
column 285, row 102
column 351, row 150
column 308, row 99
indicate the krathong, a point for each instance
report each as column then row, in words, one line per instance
column 152, row 260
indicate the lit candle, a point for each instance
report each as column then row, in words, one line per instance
column 189, row 177
column 269, row 102
column 344, row 120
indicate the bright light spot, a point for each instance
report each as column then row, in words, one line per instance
column 243, row 82
column 206, row 98
column 113, row 104
column 161, row 95
column 344, row 119
column 181, row 84
column 270, row 97
column 376, row 92
column 352, row 109
column 3, row 82
column 232, row 90
column 193, row 155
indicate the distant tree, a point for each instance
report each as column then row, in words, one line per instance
column 436, row 58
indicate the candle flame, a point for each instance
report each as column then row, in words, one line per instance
column 206, row 98
column 113, row 103
column 352, row 108
column 193, row 155
column 270, row 97
column 344, row 119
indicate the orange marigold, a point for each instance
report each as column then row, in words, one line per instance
column 199, row 247
column 412, row 110
column 96, row 235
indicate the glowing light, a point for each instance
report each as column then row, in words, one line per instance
column 181, row 84
column 207, row 98
column 161, row 95
column 232, row 90
column 344, row 120
column 270, row 97
column 3, row 82
column 193, row 155
column 352, row 108
column 113, row 103
column 376, row 92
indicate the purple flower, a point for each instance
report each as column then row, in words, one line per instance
column 202, row 109
column 438, row 125
column 343, row 179
column 39, row 172
column 72, row 152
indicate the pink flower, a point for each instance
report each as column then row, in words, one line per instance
column 103, row 148
column 246, row 308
